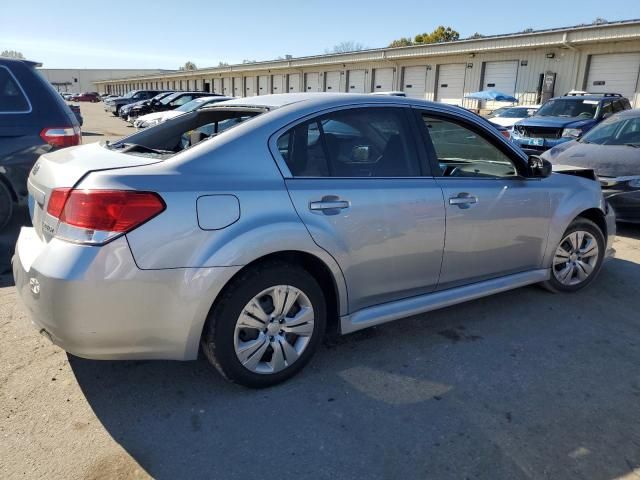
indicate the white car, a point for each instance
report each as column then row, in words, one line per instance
column 156, row 118
column 508, row 116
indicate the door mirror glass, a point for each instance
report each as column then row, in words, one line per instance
column 539, row 167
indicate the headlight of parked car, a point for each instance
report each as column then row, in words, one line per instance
column 571, row 132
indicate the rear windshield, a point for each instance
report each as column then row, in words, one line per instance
column 569, row 107
column 183, row 132
column 12, row 98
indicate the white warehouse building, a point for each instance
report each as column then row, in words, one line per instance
column 79, row 80
column 531, row 66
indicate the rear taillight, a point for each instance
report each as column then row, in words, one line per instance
column 61, row 137
column 97, row 216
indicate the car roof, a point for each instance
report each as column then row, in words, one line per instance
column 633, row 113
column 595, row 96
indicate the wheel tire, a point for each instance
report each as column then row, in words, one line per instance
column 578, row 225
column 6, row 205
column 219, row 336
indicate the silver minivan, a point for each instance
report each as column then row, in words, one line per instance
column 250, row 228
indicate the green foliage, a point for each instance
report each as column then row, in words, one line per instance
column 439, row 35
column 189, row 66
column 401, row 42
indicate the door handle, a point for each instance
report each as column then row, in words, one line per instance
column 463, row 200
column 329, row 205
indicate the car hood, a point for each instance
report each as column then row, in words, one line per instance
column 503, row 121
column 605, row 160
column 161, row 115
column 557, row 122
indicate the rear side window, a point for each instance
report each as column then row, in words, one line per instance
column 361, row 142
column 12, row 98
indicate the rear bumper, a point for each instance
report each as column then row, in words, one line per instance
column 94, row 302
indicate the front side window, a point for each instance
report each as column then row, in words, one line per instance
column 461, row 152
column 362, row 142
column 12, row 100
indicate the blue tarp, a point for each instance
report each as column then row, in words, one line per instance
column 492, row 95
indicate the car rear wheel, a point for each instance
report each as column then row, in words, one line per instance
column 6, row 205
column 578, row 257
column 266, row 326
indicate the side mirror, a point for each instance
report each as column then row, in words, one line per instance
column 539, row 167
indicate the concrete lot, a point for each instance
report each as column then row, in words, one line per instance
column 521, row 385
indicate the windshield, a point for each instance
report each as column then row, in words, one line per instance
column 615, row 131
column 167, row 100
column 193, row 104
column 130, row 94
column 498, row 112
column 161, row 95
column 568, row 107
column 516, row 112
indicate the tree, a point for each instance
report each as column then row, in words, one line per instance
column 189, row 66
column 223, row 64
column 476, row 35
column 345, row 47
column 599, row 21
column 12, row 54
column 439, row 35
column 401, row 42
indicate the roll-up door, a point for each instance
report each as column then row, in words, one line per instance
column 450, row 86
column 414, row 83
column 312, row 82
column 263, row 85
column 356, row 81
column 250, row 86
column 277, row 84
column 383, row 80
column 332, row 81
column 227, row 89
column 217, row 85
column 614, row 73
column 238, row 90
column 294, row 82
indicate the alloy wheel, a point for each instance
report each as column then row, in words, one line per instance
column 576, row 258
column 274, row 329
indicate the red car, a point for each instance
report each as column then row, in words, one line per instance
column 85, row 97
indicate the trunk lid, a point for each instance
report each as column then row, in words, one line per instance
column 64, row 169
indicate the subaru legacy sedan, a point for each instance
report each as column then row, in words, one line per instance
column 311, row 213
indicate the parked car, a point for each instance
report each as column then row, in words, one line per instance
column 612, row 150
column 125, row 111
column 565, row 118
column 113, row 105
column 245, row 243
column 85, row 97
column 508, row 116
column 66, row 96
column 169, row 102
column 76, row 111
column 34, row 120
column 152, row 119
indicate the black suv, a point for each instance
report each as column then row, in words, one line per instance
column 34, row 119
column 113, row 105
column 169, row 102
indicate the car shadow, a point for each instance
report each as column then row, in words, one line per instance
column 631, row 230
column 8, row 238
column 523, row 384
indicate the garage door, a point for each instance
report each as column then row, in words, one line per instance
column 332, row 81
column 227, row 89
column 500, row 76
column 451, row 83
column 250, row 86
column 415, row 81
column 277, row 84
column 356, row 80
column 383, row 80
column 263, row 85
column 615, row 73
column 237, row 87
column 294, row 82
column 217, row 85
column 312, row 82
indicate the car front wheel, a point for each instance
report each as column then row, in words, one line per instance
column 266, row 326
column 578, row 257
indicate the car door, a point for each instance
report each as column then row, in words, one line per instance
column 497, row 218
column 359, row 185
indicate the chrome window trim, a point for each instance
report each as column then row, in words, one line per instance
column 281, row 162
column 21, row 112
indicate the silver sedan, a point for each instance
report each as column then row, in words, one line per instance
column 250, row 228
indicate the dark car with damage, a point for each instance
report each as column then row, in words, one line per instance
column 612, row 151
column 114, row 105
column 565, row 118
column 127, row 110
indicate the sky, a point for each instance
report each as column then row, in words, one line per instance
column 167, row 33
